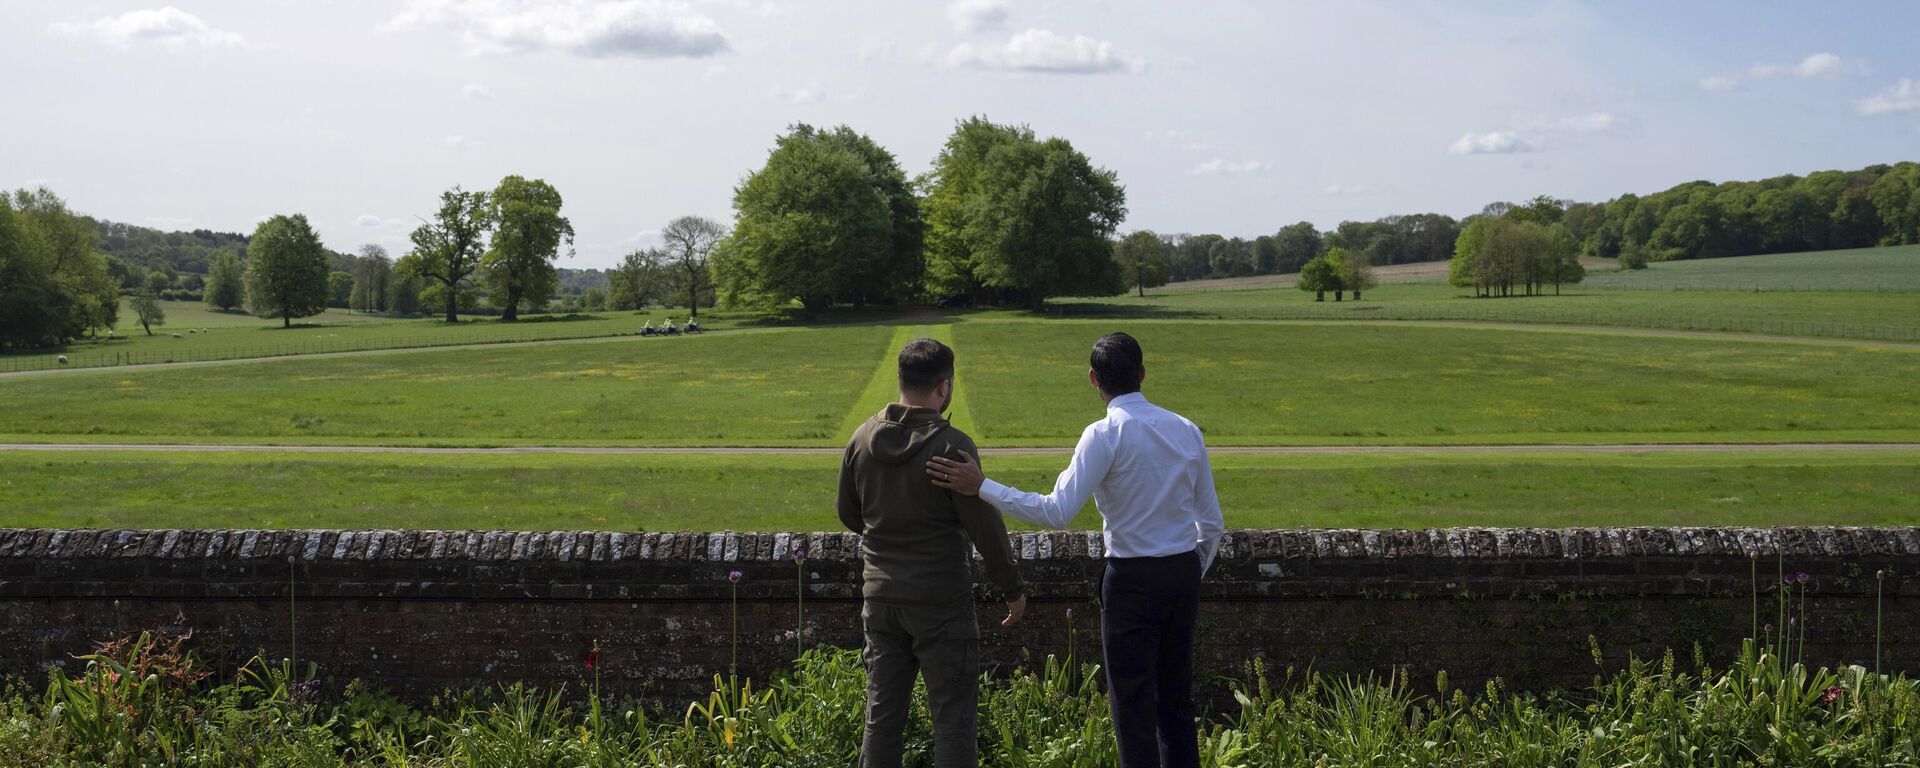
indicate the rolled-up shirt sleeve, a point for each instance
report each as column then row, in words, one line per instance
column 1091, row 460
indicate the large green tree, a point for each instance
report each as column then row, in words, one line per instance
column 527, row 235
column 1354, row 269
column 1297, row 244
column 447, row 250
column 1029, row 217
column 226, row 282
column 638, row 279
column 1319, row 276
column 54, row 286
column 1143, row 261
column 286, row 270
column 808, row 226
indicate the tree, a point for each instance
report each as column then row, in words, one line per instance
column 1142, row 258
column 286, row 273
column 806, row 225
column 528, row 232
column 403, row 294
column 1296, row 244
column 637, row 281
column 1029, row 217
column 1354, row 271
column 447, row 250
column 1231, row 258
column 689, row 241
column 1319, row 275
column 146, row 305
column 226, row 282
column 594, row 299
column 54, row 285
column 1266, row 255
column 158, row 281
column 339, row 290
column 372, row 271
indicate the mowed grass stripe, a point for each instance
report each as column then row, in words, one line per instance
column 677, row 492
column 884, row 387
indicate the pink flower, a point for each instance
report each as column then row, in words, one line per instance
column 593, row 658
column 1832, row 695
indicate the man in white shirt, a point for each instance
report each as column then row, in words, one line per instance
column 1146, row 469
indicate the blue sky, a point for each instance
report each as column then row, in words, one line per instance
column 1229, row 117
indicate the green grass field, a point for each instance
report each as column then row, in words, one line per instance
column 795, row 492
column 1253, row 384
column 234, row 335
column 751, row 387
column 1021, row 383
column 1894, row 268
column 1891, row 316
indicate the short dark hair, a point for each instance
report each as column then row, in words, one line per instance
column 1118, row 364
column 924, row 363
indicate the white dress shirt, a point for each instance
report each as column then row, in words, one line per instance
column 1146, row 468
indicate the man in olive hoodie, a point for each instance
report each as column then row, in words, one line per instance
column 918, row 614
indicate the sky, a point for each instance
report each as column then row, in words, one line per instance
column 1228, row 117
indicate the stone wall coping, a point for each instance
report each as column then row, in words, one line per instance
column 727, row 546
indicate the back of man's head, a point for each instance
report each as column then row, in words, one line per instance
column 924, row 363
column 1118, row 364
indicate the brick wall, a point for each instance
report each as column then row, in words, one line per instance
column 419, row 611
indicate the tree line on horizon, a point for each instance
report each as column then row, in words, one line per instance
column 831, row 219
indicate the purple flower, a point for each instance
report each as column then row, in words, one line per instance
column 734, row 576
column 1802, row 577
column 799, row 554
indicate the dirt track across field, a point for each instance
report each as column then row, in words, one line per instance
column 1060, row 450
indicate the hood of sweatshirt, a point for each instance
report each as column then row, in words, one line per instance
column 901, row 431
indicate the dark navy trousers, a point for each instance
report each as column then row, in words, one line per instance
column 1148, row 606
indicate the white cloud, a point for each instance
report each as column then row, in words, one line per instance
column 1815, row 65
column 977, row 15
column 874, row 49
column 1532, row 133
column 804, row 94
column 1491, row 143
column 168, row 27
column 1041, row 50
column 1179, row 139
column 1593, row 122
column 476, row 92
column 1221, row 166
column 371, row 221
column 1903, row 96
column 1349, row 190
column 461, row 140
column 647, row 29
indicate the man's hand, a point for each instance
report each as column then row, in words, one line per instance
column 1015, row 609
column 962, row 477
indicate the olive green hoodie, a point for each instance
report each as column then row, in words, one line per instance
column 914, row 536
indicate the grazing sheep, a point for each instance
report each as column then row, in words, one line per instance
column 177, row 336
column 193, row 330
column 61, row 359
column 109, row 334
